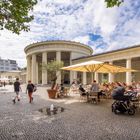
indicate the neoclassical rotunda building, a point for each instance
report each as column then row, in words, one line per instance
column 44, row 52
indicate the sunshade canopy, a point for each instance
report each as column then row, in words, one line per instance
column 97, row 66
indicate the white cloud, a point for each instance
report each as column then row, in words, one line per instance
column 12, row 46
column 75, row 20
column 82, row 39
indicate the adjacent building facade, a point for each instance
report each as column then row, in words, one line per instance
column 71, row 53
column 8, row 65
column 127, row 57
column 8, row 70
column 9, row 76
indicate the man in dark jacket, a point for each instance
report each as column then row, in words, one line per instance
column 118, row 92
column 17, row 89
column 30, row 90
column 83, row 92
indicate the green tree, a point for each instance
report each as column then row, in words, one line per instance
column 112, row 3
column 53, row 67
column 14, row 14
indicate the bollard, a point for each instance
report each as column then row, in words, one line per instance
column 55, row 111
column 62, row 109
column 48, row 111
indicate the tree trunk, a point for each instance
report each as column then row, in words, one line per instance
column 53, row 83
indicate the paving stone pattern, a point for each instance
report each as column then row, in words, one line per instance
column 79, row 121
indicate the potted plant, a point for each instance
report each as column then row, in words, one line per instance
column 53, row 69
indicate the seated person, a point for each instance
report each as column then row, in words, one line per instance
column 130, row 90
column 83, row 91
column 104, row 89
column 118, row 93
column 73, row 88
column 61, row 90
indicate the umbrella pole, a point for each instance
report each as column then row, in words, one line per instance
column 92, row 76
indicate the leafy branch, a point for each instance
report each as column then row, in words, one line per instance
column 112, row 3
column 14, row 14
column 53, row 67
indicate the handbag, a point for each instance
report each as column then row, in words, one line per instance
column 35, row 89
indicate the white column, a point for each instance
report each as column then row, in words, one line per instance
column 71, row 72
column 96, row 77
column 28, row 75
column 111, row 75
column 92, row 77
column 34, row 68
column 128, row 74
column 44, row 71
column 84, row 78
column 74, row 75
column 58, row 74
column 37, row 73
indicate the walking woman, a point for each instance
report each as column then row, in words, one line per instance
column 30, row 90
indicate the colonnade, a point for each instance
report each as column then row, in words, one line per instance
column 32, row 70
column 111, row 75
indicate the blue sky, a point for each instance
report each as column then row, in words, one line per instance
column 84, row 21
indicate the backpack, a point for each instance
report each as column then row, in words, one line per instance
column 30, row 87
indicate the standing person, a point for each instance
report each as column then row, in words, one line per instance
column 17, row 88
column 95, row 88
column 30, row 90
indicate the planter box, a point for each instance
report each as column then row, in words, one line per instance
column 52, row 93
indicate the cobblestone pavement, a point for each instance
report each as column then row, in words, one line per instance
column 80, row 121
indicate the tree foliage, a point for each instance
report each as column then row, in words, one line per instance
column 112, row 3
column 53, row 67
column 14, row 14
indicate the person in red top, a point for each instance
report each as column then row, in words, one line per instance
column 30, row 90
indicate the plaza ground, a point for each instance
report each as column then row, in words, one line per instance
column 79, row 121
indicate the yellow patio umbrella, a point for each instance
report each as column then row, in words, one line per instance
column 97, row 66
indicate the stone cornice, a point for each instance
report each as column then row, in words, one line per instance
column 113, row 55
column 46, row 43
column 58, row 47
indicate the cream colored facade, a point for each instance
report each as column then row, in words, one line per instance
column 9, row 76
column 72, row 53
column 44, row 52
column 128, row 57
column 23, row 76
